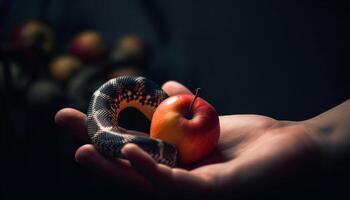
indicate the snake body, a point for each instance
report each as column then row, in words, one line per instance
column 105, row 106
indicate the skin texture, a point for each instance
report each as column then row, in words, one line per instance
column 253, row 152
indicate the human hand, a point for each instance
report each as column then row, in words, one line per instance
column 252, row 150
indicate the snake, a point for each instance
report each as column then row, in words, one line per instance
column 106, row 104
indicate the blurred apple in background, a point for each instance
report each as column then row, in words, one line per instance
column 132, row 43
column 88, row 46
column 189, row 123
column 133, row 49
column 32, row 41
column 64, row 67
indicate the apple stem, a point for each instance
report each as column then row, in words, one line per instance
column 194, row 99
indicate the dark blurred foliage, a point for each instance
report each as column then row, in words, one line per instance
column 285, row 59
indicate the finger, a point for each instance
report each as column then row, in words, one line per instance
column 162, row 176
column 120, row 170
column 145, row 162
column 174, row 88
column 73, row 120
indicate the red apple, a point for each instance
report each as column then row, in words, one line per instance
column 189, row 123
column 32, row 35
column 88, row 46
column 31, row 41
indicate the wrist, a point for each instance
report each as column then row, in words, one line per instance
column 324, row 134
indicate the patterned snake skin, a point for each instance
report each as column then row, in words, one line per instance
column 106, row 104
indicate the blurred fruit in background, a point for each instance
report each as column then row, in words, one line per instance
column 132, row 49
column 80, row 71
column 32, row 41
column 64, row 67
column 133, row 44
column 44, row 95
column 19, row 82
column 88, row 46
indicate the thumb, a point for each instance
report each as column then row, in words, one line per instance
column 173, row 88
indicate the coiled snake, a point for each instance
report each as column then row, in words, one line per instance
column 106, row 104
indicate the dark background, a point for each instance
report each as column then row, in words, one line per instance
column 285, row 59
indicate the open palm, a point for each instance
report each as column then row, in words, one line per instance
column 252, row 149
